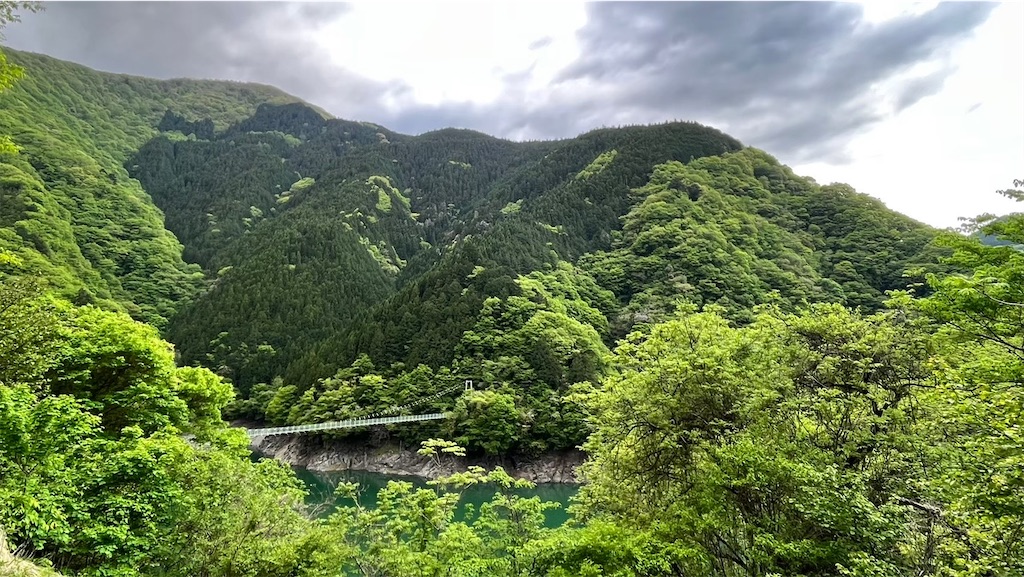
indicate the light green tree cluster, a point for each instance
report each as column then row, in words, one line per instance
column 827, row 442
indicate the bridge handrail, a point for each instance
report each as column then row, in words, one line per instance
column 346, row 424
column 378, row 418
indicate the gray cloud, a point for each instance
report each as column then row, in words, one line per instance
column 792, row 77
column 540, row 43
column 798, row 79
column 917, row 88
column 265, row 42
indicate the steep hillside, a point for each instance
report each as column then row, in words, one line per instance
column 553, row 210
column 739, row 230
column 340, row 252
column 307, row 222
column 68, row 208
column 735, row 230
column 332, row 268
column 377, row 197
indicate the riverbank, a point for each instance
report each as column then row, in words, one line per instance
column 392, row 459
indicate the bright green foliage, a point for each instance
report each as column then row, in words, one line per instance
column 239, row 518
column 489, row 421
column 512, row 207
column 554, row 326
column 381, row 186
column 977, row 494
column 301, row 184
column 7, row 146
column 598, row 164
column 413, row 532
column 94, row 475
column 977, row 314
column 356, row 391
column 739, row 230
column 204, row 394
column 119, row 366
column 8, row 75
column 508, row 522
column 410, row 532
column 40, row 441
column 794, row 446
column 600, row 548
column 116, row 506
column 867, row 248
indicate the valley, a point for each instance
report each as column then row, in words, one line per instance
column 719, row 366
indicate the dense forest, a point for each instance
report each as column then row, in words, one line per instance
column 768, row 376
column 335, row 251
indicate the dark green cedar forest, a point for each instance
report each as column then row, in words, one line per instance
column 769, row 376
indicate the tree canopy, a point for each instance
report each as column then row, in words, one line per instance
column 767, row 376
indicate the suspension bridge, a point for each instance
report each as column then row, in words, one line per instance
column 385, row 417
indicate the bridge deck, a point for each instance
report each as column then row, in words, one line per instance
column 349, row 424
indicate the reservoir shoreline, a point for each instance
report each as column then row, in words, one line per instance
column 318, row 455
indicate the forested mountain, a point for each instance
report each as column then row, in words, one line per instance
column 309, row 243
column 768, row 376
column 329, row 239
column 69, row 209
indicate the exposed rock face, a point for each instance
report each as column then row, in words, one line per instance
column 396, row 460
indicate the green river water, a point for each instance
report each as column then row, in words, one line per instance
column 321, row 485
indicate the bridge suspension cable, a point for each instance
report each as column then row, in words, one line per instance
column 377, row 418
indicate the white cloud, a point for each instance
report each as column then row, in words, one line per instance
column 454, row 51
column 878, row 11
column 944, row 157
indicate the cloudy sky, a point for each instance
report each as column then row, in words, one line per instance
column 919, row 104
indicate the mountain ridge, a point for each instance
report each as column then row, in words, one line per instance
column 299, row 255
column 75, row 127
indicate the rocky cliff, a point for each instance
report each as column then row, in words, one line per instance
column 398, row 460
